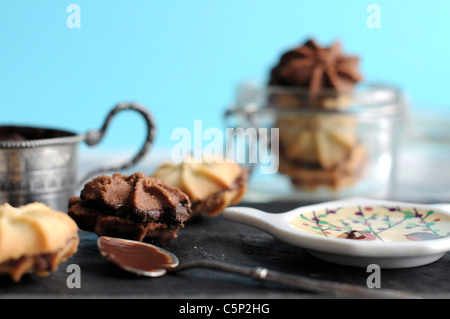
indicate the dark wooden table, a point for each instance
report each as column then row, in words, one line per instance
column 219, row 239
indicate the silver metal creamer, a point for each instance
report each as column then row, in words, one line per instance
column 40, row 164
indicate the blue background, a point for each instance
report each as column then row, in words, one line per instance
column 183, row 59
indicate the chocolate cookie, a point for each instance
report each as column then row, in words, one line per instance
column 325, row 73
column 134, row 207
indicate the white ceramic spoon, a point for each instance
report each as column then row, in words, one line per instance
column 405, row 234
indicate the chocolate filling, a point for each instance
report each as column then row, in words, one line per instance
column 355, row 234
column 211, row 202
column 40, row 263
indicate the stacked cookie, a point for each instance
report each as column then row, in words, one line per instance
column 212, row 183
column 134, row 206
column 34, row 238
column 309, row 87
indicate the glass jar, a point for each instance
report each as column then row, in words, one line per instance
column 300, row 146
column 424, row 172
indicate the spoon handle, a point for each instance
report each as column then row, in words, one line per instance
column 303, row 283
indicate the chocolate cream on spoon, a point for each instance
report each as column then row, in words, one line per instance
column 151, row 261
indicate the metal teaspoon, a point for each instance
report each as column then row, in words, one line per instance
column 152, row 261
